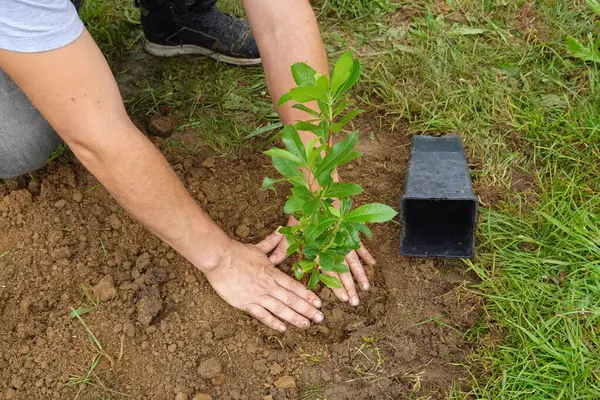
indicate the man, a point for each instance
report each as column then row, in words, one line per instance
column 55, row 86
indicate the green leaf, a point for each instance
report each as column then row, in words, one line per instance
column 323, row 83
column 293, row 247
column 307, row 110
column 327, row 260
column 343, row 190
column 264, row 129
column 345, row 206
column 348, row 117
column 314, row 279
column 341, row 107
column 304, row 74
column 298, row 273
column 341, row 71
column 277, row 152
column 306, row 265
column 312, row 152
column 363, row 229
column 292, row 205
column 269, row 182
column 351, row 156
column 340, row 268
column 337, row 153
column 314, row 231
column 285, row 98
column 287, row 230
column 311, row 206
column 304, row 94
column 307, row 126
column 336, row 127
column 354, row 74
column 293, row 143
column 578, row 50
column 330, row 281
column 352, row 237
column 334, row 211
column 374, row 212
column 302, row 192
column 286, row 167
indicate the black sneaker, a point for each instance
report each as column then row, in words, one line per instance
column 175, row 29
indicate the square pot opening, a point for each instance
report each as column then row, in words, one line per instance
column 438, row 227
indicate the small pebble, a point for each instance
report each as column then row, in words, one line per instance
column 242, row 231
column 286, row 382
column 60, row 204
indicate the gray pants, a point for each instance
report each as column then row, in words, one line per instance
column 26, row 138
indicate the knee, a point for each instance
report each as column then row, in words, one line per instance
column 22, row 154
column 26, row 138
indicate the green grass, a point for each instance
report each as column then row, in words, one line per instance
column 501, row 76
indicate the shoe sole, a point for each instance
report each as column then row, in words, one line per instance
column 189, row 49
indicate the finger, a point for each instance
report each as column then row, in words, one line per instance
column 270, row 242
column 348, row 284
column 266, row 317
column 341, row 292
column 365, row 255
column 278, row 308
column 298, row 304
column 296, row 287
column 357, row 270
column 280, row 254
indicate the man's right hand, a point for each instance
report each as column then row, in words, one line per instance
column 246, row 279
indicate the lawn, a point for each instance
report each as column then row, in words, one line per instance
column 499, row 73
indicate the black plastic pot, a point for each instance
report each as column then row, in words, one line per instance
column 438, row 208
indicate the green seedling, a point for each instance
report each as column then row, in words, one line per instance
column 328, row 227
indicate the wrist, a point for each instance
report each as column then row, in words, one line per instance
column 205, row 245
column 215, row 249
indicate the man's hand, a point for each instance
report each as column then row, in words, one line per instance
column 348, row 292
column 246, row 279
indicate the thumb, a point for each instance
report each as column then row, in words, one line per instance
column 280, row 253
column 270, row 242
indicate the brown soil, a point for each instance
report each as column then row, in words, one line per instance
column 169, row 336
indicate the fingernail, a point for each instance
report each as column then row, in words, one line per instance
column 366, row 286
column 319, row 317
column 344, row 297
column 277, row 230
column 273, row 259
column 282, row 328
column 354, row 301
column 317, row 303
column 305, row 325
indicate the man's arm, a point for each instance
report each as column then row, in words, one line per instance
column 287, row 32
column 74, row 89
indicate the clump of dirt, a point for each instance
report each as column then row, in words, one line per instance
column 169, row 335
column 530, row 24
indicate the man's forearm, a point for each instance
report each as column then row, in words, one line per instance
column 286, row 32
column 142, row 181
column 74, row 89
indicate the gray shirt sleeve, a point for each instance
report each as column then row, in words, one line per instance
column 30, row 26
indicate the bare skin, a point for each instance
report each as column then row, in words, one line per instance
column 74, row 89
